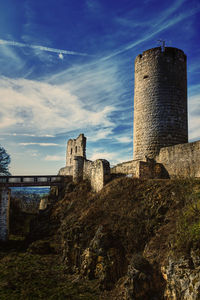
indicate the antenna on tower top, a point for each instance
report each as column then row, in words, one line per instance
column 162, row 44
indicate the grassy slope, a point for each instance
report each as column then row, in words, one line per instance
column 135, row 214
column 25, row 275
column 134, row 210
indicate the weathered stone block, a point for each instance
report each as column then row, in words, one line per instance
column 4, row 213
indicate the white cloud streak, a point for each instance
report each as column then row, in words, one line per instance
column 112, row 157
column 32, row 106
column 124, row 139
column 54, row 158
column 100, row 134
column 194, row 120
column 41, row 48
column 28, row 135
column 39, row 144
column 163, row 24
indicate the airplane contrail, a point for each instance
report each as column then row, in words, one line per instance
column 42, row 48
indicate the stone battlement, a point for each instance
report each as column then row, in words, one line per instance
column 172, row 52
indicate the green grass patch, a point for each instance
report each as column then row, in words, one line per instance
column 30, row 276
column 188, row 224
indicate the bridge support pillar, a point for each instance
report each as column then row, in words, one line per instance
column 4, row 213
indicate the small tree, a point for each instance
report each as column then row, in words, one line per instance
column 4, row 162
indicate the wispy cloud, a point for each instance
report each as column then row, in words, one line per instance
column 194, row 119
column 46, row 108
column 39, row 144
column 99, row 134
column 54, row 158
column 124, row 139
column 159, row 26
column 94, row 6
column 111, row 156
column 28, row 135
column 41, row 48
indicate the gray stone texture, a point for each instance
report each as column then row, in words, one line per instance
column 181, row 160
column 78, row 162
column 128, row 167
column 77, row 166
column 140, row 169
column 75, row 147
column 97, row 172
column 4, row 213
column 160, row 101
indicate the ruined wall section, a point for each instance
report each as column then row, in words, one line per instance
column 148, row 169
column 97, row 172
column 4, row 213
column 78, row 163
column 100, row 174
column 128, row 167
column 160, row 101
column 87, row 169
column 181, row 160
column 77, row 166
column 75, row 147
column 66, row 171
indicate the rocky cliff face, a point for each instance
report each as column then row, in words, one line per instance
column 138, row 239
column 182, row 277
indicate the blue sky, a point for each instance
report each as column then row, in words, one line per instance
column 67, row 67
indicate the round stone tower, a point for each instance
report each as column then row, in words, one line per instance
column 160, row 101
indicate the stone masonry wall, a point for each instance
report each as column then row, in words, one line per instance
column 140, row 169
column 77, row 166
column 97, row 172
column 87, row 169
column 66, row 171
column 128, row 167
column 160, row 101
column 78, row 163
column 4, row 213
column 181, row 160
column 100, row 174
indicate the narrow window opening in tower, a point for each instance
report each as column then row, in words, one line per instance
column 76, row 149
column 145, row 76
column 71, row 150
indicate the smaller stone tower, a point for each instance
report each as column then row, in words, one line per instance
column 75, row 147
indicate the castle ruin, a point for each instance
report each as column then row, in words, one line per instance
column 161, row 148
column 77, row 166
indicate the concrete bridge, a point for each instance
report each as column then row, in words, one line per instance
column 22, row 181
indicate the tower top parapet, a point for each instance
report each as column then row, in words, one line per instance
column 157, row 51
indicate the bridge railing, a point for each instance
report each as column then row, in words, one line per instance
column 30, row 179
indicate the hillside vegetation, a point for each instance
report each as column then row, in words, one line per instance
column 136, row 239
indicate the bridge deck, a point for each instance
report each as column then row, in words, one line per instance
column 32, row 180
